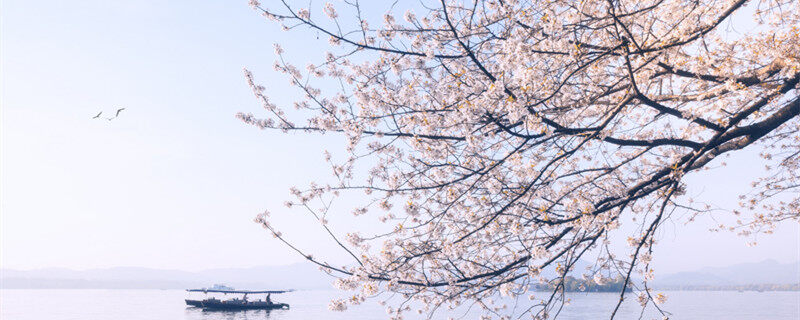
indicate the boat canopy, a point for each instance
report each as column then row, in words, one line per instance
column 240, row 291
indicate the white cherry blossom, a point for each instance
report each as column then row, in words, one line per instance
column 498, row 140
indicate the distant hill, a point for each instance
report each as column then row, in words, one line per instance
column 764, row 272
column 307, row 276
column 295, row 276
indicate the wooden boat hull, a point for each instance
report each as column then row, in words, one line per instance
column 240, row 305
column 194, row 303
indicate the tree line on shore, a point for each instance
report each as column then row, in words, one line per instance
column 572, row 284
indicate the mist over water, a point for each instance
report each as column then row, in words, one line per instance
column 86, row 304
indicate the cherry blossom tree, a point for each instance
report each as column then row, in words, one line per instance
column 505, row 137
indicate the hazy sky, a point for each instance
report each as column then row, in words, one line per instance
column 176, row 180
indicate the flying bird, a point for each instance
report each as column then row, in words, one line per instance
column 109, row 118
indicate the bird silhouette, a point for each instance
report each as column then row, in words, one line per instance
column 109, row 118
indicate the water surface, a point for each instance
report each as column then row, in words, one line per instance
column 67, row 304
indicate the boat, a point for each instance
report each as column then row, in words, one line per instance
column 241, row 304
column 213, row 303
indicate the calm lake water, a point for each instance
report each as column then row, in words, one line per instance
column 168, row 304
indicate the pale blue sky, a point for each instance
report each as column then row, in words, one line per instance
column 175, row 181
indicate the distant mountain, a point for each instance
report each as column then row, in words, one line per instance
column 307, row 276
column 764, row 272
column 295, row 276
